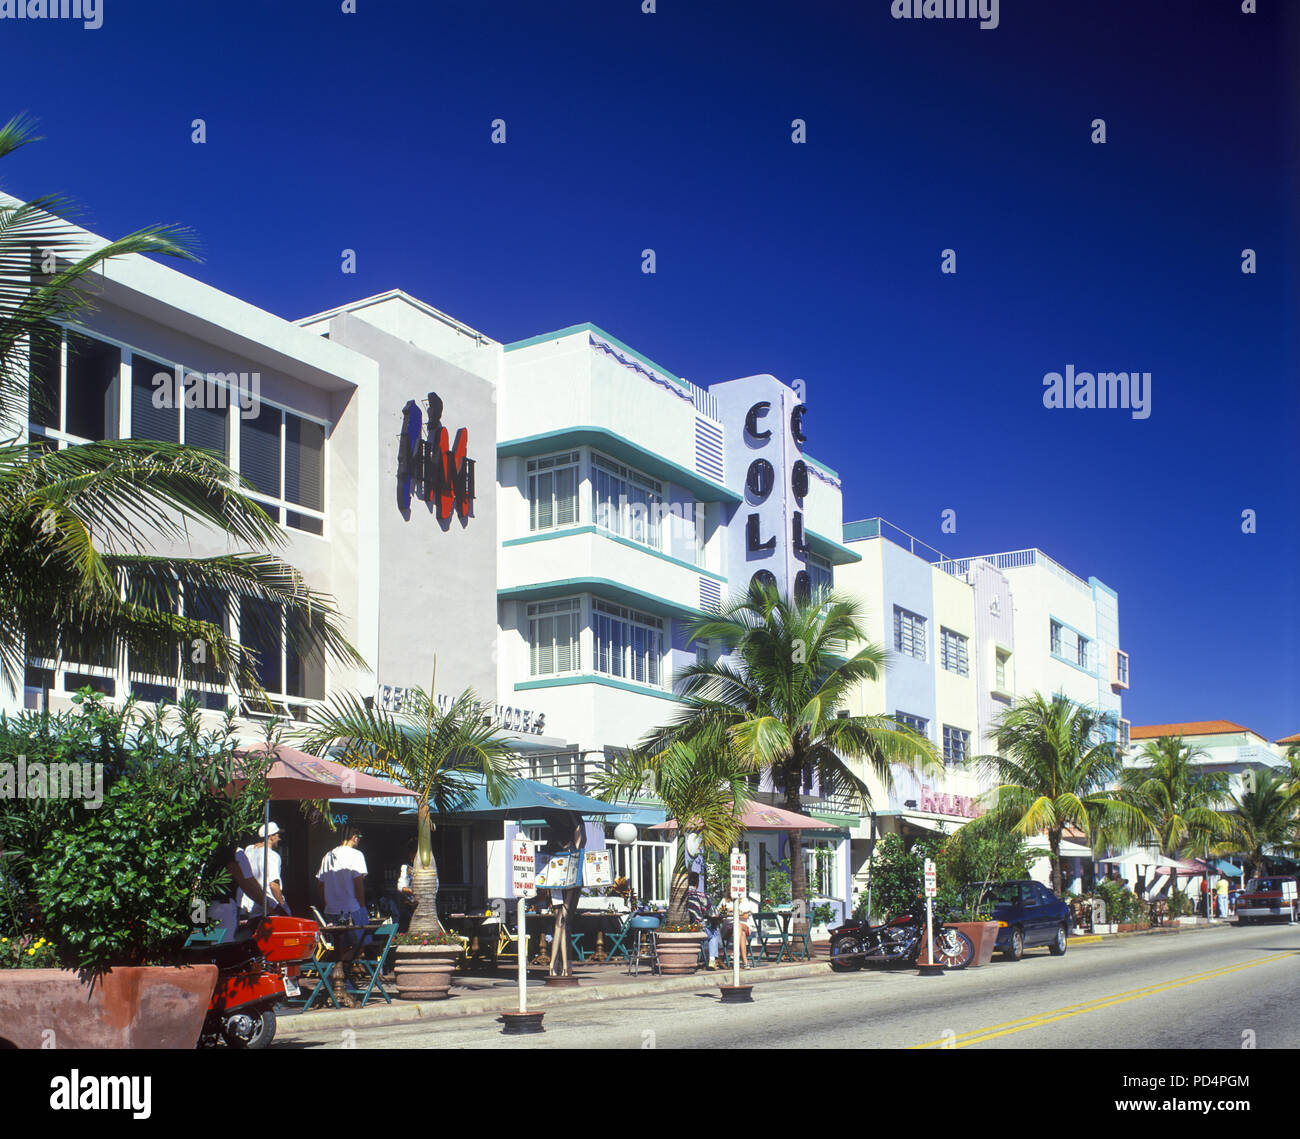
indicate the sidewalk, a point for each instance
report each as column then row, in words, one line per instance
column 485, row 994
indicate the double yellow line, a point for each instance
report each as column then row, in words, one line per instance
column 993, row 1031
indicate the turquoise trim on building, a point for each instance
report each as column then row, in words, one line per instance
column 833, row 551
column 821, row 466
column 1097, row 584
column 1074, row 664
column 609, row 441
column 614, row 340
column 590, row 529
column 601, row 587
column 857, row 531
column 597, row 678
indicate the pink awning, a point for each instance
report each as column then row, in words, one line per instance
column 761, row 817
column 296, row 775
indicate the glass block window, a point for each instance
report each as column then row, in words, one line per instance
column 909, row 633
column 953, row 650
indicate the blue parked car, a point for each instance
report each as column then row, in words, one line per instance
column 1027, row 914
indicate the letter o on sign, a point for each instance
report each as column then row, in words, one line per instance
column 799, row 479
column 764, row 578
column 760, row 479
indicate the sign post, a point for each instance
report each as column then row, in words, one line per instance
column 739, row 893
column 931, row 888
column 523, row 878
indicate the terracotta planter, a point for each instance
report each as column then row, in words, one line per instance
column 1133, row 926
column 424, row 972
column 679, row 953
column 982, row 935
column 143, row 1006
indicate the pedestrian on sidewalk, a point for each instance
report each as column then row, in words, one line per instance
column 697, row 910
column 1221, row 892
column 342, row 883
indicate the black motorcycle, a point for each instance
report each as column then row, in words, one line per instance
column 898, row 942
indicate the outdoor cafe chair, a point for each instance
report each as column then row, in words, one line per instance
column 616, row 942
column 319, row 968
column 372, row 960
column 771, row 936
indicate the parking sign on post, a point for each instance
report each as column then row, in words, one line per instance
column 739, row 874
column 931, row 880
column 523, row 879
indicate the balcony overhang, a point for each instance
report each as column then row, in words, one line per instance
column 834, row 552
column 612, row 443
column 602, row 587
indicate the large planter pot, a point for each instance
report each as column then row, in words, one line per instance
column 982, row 935
column 679, row 953
column 424, row 971
column 143, row 1006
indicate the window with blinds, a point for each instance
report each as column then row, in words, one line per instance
column 820, row 574
column 1056, row 638
column 626, row 502
column 909, row 633
column 953, row 651
column 553, row 637
column 154, row 415
column 553, row 491
column 1082, row 652
column 628, row 643
column 283, row 455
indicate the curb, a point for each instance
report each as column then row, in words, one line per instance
column 409, row 1012
column 406, row 1012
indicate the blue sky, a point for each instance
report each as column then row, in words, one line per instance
column 821, row 261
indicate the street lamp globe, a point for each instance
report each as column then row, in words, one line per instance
column 625, row 833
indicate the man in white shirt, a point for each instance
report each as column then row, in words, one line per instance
column 270, row 836
column 342, row 884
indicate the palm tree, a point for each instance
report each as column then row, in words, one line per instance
column 777, row 702
column 438, row 754
column 1264, row 818
column 1182, row 804
column 703, row 790
column 1051, row 771
column 77, row 580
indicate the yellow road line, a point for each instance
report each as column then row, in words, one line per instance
column 1037, row 1020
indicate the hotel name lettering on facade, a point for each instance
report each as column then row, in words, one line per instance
column 760, row 480
column 522, row 720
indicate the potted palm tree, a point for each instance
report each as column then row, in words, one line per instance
column 777, row 703
column 442, row 756
column 703, row 791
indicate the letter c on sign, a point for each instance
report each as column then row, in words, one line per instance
column 754, row 414
column 796, row 423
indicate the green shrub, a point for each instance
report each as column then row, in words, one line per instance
column 123, row 882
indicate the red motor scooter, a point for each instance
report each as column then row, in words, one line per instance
column 255, row 973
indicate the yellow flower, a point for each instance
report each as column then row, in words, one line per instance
column 31, row 952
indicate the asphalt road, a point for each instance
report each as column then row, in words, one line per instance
column 1221, row 988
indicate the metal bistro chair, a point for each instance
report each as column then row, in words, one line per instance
column 646, row 945
column 771, row 936
column 618, row 939
column 372, row 961
column 319, row 968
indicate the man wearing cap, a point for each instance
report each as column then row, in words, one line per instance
column 256, row 853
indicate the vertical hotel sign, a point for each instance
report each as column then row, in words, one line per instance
column 434, row 468
column 760, row 481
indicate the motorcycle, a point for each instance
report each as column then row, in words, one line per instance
column 255, row 972
column 900, row 941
